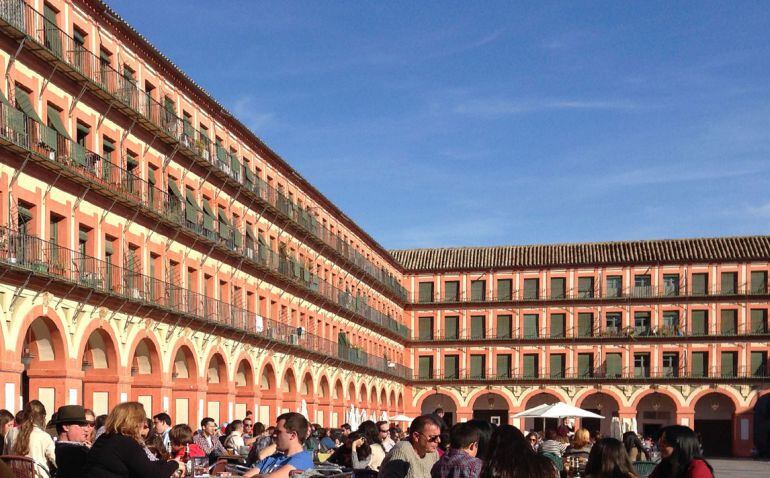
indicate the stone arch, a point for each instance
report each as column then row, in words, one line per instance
column 99, row 351
column 363, row 396
column 654, row 410
column 392, row 400
column 649, row 391
column 446, row 400
column 727, row 392
column 560, row 396
column 289, row 382
column 400, row 401
column 244, row 374
column 184, row 365
column 534, row 399
column 603, row 403
column 585, row 394
column 383, row 399
column 338, row 392
column 352, row 393
column 324, row 392
column 267, row 379
column 42, row 351
column 373, row 396
column 216, row 370
column 43, row 340
column 145, row 356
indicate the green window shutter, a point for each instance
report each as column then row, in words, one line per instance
column 108, row 249
column 504, row 326
column 17, row 121
column 238, row 240
column 478, row 326
column 54, row 118
column 426, row 328
column 758, row 321
column 504, row 366
column 451, row 366
column 451, row 291
column 426, row 367
column 700, row 284
column 478, row 290
column 557, row 365
column 531, row 327
column 426, row 292
column 729, row 321
column 208, row 216
column 224, row 225
column 585, row 324
column 249, row 174
column 235, row 164
column 558, row 287
column 478, row 366
column 759, row 282
column 698, row 364
column 612, row 365
column 504, row 289
column 48, row 137
column 557, row 325
column 585, row 365
column 25, row 104
column 529, row 366
column 451, row 326
column 729, row 360
column 531, row 289
column 172, row 186
column 585, row 286
column 729, row 282
column 191, row 210
column 699, row 322
column 758, row 364
column 52, row 34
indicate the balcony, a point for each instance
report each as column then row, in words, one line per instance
column 56, row 263
column 60, row 153
column 72, row 59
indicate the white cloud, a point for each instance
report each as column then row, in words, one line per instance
column 497, row 107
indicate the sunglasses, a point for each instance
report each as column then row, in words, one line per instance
column 432, row 439
column 384, row 431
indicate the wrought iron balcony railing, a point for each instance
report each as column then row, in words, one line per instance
column 49, row 260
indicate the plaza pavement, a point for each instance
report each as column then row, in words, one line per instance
column 725, row 468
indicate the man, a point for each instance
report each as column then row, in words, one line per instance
column 460, row 460
column 415, row 456
column 287, row 453
column 208, row 440
column 71, row 446
column 248, row 427
column 383, row 428
column 162, row 424
column 346, row 430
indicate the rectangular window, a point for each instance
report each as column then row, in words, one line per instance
column 670, row 364
column 530, row 366
column 758, row 364
column 758, row 321
column 699, row 322
column 51, row 33
column 612, row 365
column 699, row 363
column 426, row 328
column 426, row 367
column 585, row 324
column 729, row 322
column 531, row 289
column 729, row 283
column 79, row 49
column 613, row 322
column 671, row 284
column 504, row 326
column 614, row 286
column 729, row 364
column 641, row 365
column 54, row 227
column 478, row 290
column 504, row 366
column 451, row 291
column 426, row 292
column 451, row 327
column 557, row 325
column 504, row 289
column 530, row 328
column 558, row 287
column 451, row 366
column 478, row 366
column 700, row 284
column 585, row 287
column 670, row 322
column 642, row 285
column 478, row 327
column 585, row 365
column 759, row 282
column 642, row 323
column 557, row 365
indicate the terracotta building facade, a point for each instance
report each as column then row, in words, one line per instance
column 152, row 248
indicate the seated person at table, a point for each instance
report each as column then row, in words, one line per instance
column 287, row 453
column 180, row 436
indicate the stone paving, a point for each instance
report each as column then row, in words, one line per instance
column 724, row 468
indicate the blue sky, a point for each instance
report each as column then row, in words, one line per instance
column 436, row 124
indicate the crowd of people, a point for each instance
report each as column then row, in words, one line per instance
column 128, row 444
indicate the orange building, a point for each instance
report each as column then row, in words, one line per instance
column 152, row 248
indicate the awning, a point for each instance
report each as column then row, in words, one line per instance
column 191, row 200
column 54, row 119
column 175, row 190
column 249, row 174
column 234, row 163
column 250, row 234
column 22, row 99
column 192, row 209
column 224, row 225
column 4, row 100
column 223, row 217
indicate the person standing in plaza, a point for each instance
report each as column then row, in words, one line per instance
column 415, row 456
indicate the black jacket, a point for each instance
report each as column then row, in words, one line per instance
column 70, row 459
column 119, row 456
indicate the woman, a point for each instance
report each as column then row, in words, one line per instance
column 510, row 456
column 372, row 436
column 360, row 451
column 608, row 459
column 119, row 452
column 581, row 444
column 234, row 440
column 30, row 438
column 181, row 437
column 680, row 455
column 6, row 424
column 534, row 440
column 634, row 447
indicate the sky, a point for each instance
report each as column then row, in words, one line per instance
column 442, row 124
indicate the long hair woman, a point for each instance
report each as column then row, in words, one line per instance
column 509, row 455
column 6, row 424
column 372, row 435
column 680, row 455
column 608, row 459
column 634, row 447
column 119, row 451
column 30, row 438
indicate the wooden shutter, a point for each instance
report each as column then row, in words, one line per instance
column 729, row 282
column 728, row 322
column 426, row 367
column 426, row 292
column 586, row 286
column 699, row 322
column 612, row 365
column 759, row 282
column 728, row 363
column 557, row 365
column 478, row 326
column 504, row 366
column 504, row 326
column 451, row 291
column 530, row 327
column 478, row 290
column 451, row 326
column 504, row 289
column 585, row 324
column 451, row 366
column 698, row 364
column 531, row 289
column 557, row 325
column 758, row 321
column 558, row 287
column 585, row 365
column 426, row 328
column 758, row 364
column 700, row 284
column 478, row 366
column 530, row 366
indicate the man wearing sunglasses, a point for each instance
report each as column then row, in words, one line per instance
column 415, row 456
column 73, row 430
column 287, row 453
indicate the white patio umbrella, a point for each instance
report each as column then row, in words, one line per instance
column 556, row 410
column 364, row 416
column 355, row 417
column 384, row 417
column 302, row 409
column 400, row 418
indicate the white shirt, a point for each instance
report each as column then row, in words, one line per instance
column 41, row 447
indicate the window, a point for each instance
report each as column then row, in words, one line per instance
column 585, row 365
column 530, row 327
column 612, row 365
column 504, row 327
column 451, row 291
column 585, row 287
column 700, row 284
column 699, row 322
column 451, row 327
column 557, row 365
column 426, row 328
column 54, row 232
column 530, row 366
column 671, row 322
column 478, row 366
column 729, row 283
column 105, row 59
column 585, row 324
column 614, row 286
column 531, row 289
column 671, row 284
column 558, row 287
column 642, row 285
column 504, row 289
column 51, row 34
column 641, row 365
column 451, row 366
column 758, row 321
column 729, row 364
column 79, row 49
column 109, row 245
column 642, row 323
column 759, row 282
column 425, row 367
column 729, row 322
column 557, row 325
column 699, row 364
column 504, row 366
column 758, row 364
column 478, row 327
column 670, row 364
column 613, row 322
column 478, row 290
column 426, row 292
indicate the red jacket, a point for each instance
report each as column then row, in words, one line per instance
column 195, row 452
column 697, row 469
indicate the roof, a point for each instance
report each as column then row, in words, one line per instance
column 719, row 249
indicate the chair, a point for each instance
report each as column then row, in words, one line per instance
column 24, row 466
column 644, row 468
